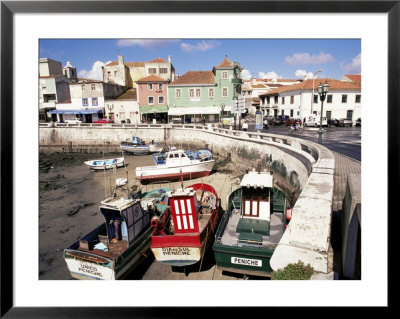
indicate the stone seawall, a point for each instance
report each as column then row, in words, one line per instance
column 306, row 166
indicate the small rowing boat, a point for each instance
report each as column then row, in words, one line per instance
column 101, row 164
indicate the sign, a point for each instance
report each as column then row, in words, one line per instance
column 246, row 261
column 259, row 120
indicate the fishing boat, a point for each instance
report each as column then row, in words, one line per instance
column 174, row 165
column 183, row 234
column 116, row 247
column 139, row 147
column 251, row 227
column 101, row 164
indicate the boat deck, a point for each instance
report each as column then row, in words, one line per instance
column 114, row 249
column 231, row 238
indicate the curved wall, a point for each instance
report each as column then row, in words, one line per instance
column 307, row 237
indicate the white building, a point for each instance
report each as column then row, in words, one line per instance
column 342, row 101
column 124, row 109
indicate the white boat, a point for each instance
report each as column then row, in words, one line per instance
column 176, row 165
column 101, row 164
column 121, row 243
column 139, row 147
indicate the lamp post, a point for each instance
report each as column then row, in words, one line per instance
column 222, row 112
column 313, row 84
column 322, row 90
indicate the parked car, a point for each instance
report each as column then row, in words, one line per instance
column 314, row 120
column 333, row 122
column 280, row 119
column 74, row 121
column 358, row 122
column 103, row 121
column 346, row 122
column 290, row 122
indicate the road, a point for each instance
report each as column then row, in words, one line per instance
column 343, row 140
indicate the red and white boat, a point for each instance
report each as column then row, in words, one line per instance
column 188, row 226
column 177, row 165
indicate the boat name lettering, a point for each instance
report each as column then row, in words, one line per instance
column 246, row 261
column 90, row 270
column 176, row 251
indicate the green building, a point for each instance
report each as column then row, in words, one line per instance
column 208, row 95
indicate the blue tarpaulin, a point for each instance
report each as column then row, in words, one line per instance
column 88, row 111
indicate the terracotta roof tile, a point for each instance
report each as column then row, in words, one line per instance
column 225, row 63
column 128, row 64
column 308, row 84
column 151, row 78
column 158, row 60
column 195, row 77
column 354, row 77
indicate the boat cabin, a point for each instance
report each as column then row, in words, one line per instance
column 184, row 209
column 125, row 221
column 256, row 206
column 177, row 157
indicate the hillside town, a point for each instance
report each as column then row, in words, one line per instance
column 151, row 92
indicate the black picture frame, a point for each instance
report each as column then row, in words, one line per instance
column 9, row 8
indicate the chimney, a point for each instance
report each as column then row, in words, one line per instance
column 169, row 59
column 120, row 59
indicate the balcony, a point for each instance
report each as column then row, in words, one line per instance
column 237, row 81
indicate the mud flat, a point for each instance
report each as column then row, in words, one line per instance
column 69, row 199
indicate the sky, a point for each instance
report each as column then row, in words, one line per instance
column 260, row 58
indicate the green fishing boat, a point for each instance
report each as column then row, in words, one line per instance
column 251, row 227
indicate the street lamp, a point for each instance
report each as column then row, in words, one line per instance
column 322, row 90
column 313, row 84
column 222, row 112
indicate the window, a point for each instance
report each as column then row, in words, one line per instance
column 93, row 86
column 191, row 92
column 275, row 99
column 151, row 99
column 44, row 87
column 152, row 70
column 85, row 102
column 224, row 92
column 160, row 86
column 211, row 92
column 178, row 93
column 283, row 112
column 115, row 73
column 95, row 101
column 315, row 98
column 329, row 98
column 83, row 87
column 291, row 113
column 150, row 86
column 224, row 75
column 292, row 99
column 160, row 100
column 163, row 70
column 268, row 100
column 344, row 98
column 358, row 98
column 283, row 100
column 198, row 93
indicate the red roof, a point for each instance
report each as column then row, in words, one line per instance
column 354, row 77
column 152, row 78
column 225, row 63
column 132, row 64
column 158, row 60
column 308, row 85
column 195, row 77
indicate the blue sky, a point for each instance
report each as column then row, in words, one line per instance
column 262, row 58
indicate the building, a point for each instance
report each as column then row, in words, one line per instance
column 205, row 94
column 124, row 108
column 342, row 101
column 128, row 73
column 87, row 100
column 53, row 88
column 70, row 72
column 153, row 98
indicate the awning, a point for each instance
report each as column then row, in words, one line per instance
column 149, row 109
column 194, row 110
column 80, row 111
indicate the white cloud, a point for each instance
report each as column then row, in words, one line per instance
column 145, row 43
column 303, row 73
column 200, row 46
column 352, row 68
column 246, row 75
column 95, row 73
column 306, row 58
column 269, row 75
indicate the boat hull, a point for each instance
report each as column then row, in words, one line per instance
column 178, row 256
column 142, row 150
column 102, row 268
column 163, row 172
